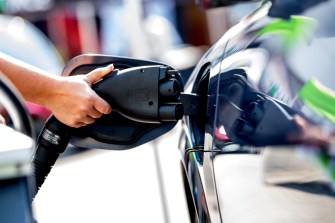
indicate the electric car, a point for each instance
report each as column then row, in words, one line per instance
column 258, row 126
column 257, row 135
column 245, row 162
column 257, row 116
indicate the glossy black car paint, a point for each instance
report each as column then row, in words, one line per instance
column 243, row 49
column 222, row 173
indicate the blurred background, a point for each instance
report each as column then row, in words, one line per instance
column 143, row 184
column 134, row 28
column 137, row 28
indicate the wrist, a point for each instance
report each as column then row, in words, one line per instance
column 52, row 92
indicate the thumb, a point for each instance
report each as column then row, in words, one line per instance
column 98, row 73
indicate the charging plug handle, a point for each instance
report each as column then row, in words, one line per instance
column 149, row 94
column 52, row 141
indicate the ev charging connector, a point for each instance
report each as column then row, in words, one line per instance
column 148, row 94
column 153, row 95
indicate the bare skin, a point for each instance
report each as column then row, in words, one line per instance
column 71, row 99
column 2, row 120
column 310, row 134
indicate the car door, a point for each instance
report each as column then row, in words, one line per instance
column 263, row 176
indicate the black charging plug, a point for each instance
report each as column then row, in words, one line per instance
column 149, row 94
column 51, row 142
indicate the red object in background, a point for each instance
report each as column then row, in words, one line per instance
column 74, row 30
column 63, row 31
column 220, row 133
column 72, row 38
column 37, row 110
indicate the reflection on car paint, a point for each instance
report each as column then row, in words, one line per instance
column 284, row 168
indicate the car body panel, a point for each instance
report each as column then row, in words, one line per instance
column 243, row 183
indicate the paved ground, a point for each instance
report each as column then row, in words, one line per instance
column 115, row 186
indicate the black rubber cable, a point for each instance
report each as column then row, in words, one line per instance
column 52, row 141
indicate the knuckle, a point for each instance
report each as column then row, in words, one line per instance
column 83, row 110
column 79, row 117
column 87, row 98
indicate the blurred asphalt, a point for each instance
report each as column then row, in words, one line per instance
column 116, row 186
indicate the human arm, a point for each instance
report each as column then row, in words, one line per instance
column 71, row 99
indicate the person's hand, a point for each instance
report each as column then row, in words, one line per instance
column 75, row 104
column 309, row 134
